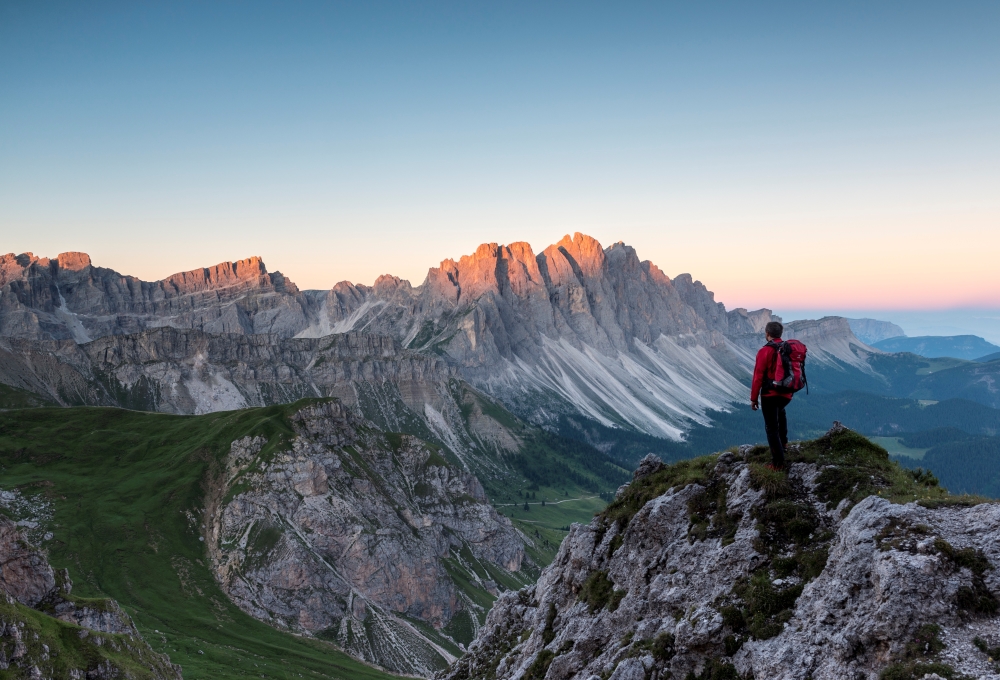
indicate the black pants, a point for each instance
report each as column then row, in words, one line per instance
column 776, row 427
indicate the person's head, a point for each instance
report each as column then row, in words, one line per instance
column 773, row 330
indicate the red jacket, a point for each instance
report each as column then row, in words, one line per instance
column 767, row 361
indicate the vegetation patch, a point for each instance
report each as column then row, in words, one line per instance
column 918, row 657
column 709, row 517
column 661, row 647
column 715, row 670
column 764, row 608
column 642, row 490
column 540, row 666
column 992, row 653
column 977, row 598
column 549, row 633
column 599, row 592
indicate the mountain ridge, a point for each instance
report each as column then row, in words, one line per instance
column 540, row 332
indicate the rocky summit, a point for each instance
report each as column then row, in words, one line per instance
column 717, row 567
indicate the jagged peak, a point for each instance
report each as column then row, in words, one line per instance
column 390, row 282
column 585, row 250
column 224, row 273
column 73, row 261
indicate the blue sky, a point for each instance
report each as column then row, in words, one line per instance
column 342, row 141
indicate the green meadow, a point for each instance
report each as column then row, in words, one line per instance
column 122, row 497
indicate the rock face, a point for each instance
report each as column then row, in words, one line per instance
column 832, row 342
column 719, row 568
column 98, row 630
column 575, row 328
column 176, row 371
column 351, row 535
column 67, row 298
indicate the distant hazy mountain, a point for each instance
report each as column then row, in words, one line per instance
column 871, row 331
column 989, row 357
column 957, row 346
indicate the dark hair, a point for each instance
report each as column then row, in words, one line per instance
column 774, row 329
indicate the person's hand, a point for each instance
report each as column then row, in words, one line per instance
column 754, row 405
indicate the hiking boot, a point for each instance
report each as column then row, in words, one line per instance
column 773, row 468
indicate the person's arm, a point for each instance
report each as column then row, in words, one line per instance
column 760, row 366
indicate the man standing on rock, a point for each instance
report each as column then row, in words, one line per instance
column 772, row 403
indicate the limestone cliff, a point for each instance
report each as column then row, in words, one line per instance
column 576, row 328
column 373, row 541
column 848, row 567
column 871, row 331
column 67, row 298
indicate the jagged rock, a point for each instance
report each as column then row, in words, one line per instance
column 741, row 574
column 25, row 574
column 647, row 466
column 346, row 533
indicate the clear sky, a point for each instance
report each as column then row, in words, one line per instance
column 796, row 156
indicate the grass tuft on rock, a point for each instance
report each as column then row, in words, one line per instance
column 645, row 489
column 599, row 592
column 715, row 670
column 918, row 657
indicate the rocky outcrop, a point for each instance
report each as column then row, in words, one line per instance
column 351, row 535
column 848, row 567
column 25, row 574
column 95, row 633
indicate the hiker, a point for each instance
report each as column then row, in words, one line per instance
column 778, row 373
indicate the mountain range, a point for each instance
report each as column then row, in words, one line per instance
column 574, row 330
column 577, row 332
column 362, row 466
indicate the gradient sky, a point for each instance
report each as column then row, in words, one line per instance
column 796, row 156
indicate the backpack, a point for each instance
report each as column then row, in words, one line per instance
column 790, row 367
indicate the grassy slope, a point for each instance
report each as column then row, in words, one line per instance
column 12, row 397
column 125, row 489
column 59, row 649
